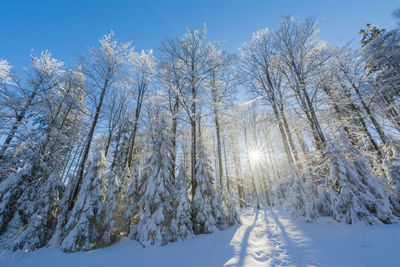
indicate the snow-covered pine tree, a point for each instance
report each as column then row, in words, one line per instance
column 301, row 198
column 28, row 203
column 84, row 229
column 392, row 166
column 35, row 163
column 13, row 188
column 156, row 203
column 130, row 184
column 228, row 202
column 181, row 224
column 111, row 205
column 129, row 209
column 353, row 193
column 41, row 224
column 232, row 216
column 206, row 209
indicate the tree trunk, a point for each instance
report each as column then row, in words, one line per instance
column 301, row 141
column 81, row 169
column 273, row 162
column 129, row 158
column 131, row 150
column 116, row 147
column 250, row 169
column 108, row 142
column 226, row 165
column 287, row 129
column 391, row 112
column 363, row 124
column 218, row 133
column 173, row 140
column 193, row 118
column 282, row 132
column 368, row 111
column 238, row 172
column 313, row 118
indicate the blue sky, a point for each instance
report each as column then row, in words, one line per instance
column 69, row 28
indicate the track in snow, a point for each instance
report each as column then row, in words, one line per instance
column 265, row 239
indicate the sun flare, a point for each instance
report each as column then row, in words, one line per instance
column 255, row 155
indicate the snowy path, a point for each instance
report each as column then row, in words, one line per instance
column 266, row 238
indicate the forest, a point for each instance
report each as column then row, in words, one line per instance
column 162, row 146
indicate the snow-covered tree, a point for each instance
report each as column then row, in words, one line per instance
column 30, row 218
column 5, row 72
column 22, row 98
column 84, row 229
column 381, row 53
column 129, row 208
column 205, row 203
column 103, row 67
column 28, row 205
column 195, row 62
column 301, row 199
column 354, row 193
column 112, row 190
column 40, row 226
column 392, row 166
column 156, row 209
column 142, row 69
column 302, row 54
column 229, row 207
column 325, row 121
column 261, row 68
column 181, row 223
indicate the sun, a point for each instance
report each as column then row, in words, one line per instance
column 255, row 155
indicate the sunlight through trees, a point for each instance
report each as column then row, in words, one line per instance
column 161, row 146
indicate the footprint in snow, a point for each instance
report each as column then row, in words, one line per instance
column 261, row 255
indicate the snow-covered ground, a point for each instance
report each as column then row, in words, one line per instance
column 266, row 238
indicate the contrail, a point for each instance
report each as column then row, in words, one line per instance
column 164, row 16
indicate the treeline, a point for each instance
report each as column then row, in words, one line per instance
column 160, row 148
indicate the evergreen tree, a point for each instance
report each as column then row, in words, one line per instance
column 181, row 223
column 111, row 205
column 206, row 209
column 354, row 193
column 156, row 202
column 392, row 170
column 129, row 199
column 301, row 199
column 84, row 229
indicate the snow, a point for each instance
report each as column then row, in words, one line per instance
column 268, row 237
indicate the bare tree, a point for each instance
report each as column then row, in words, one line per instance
column 42, row 76
column 195, row 56
column 220, row 87
column 143, row 68
column 353, row 74
column 116, row 108
column 101, row 67
column 261, row 71
column 171, row 75
column 302, row 55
